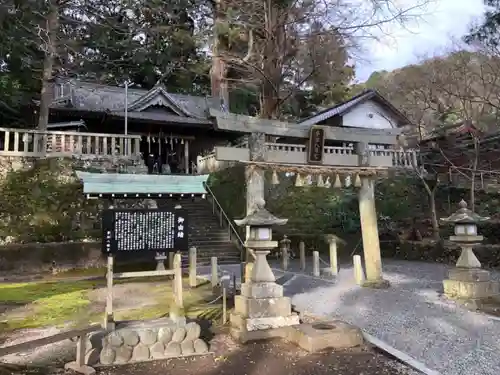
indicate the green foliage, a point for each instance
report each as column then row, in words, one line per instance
column 44, row 204
column 488, row 30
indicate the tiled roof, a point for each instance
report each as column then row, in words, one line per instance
column 343, row 107
column 94, row 97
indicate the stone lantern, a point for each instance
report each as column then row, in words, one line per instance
column 467, row 282
column 261, row 309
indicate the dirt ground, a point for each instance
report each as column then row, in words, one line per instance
column 273, row 357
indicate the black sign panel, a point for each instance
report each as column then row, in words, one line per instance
column 316, row 145
column 159, row 230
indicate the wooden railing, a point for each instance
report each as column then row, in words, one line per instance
column 36, row 143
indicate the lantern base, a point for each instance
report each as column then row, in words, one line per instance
column 470, row 286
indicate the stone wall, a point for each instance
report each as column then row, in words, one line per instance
column 21, row 259
column 143, row 341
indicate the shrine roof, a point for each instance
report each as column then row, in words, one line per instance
column 345, row 106
column 93, row 97
column 118, row 183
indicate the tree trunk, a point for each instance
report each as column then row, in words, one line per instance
column 48, row 64
column 219, row 69
column 434, row 218
column 271, row 65
column 473, row 177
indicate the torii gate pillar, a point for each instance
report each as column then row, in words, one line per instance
column 369, row 232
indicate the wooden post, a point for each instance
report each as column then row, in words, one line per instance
column 302, row 251
column 224, row 305
column 316, row 263
column 81, row 350
column 215, row 275
column 359, row 276
column 171, row 260
column 79, row 365
column 285, row 246
column 193, row 282
column 109, row 319
column 178, row 280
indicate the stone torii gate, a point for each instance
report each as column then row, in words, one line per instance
column 359, row 159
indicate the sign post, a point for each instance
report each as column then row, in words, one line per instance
column 139, row 230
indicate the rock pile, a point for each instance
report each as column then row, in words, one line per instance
column 138, row 344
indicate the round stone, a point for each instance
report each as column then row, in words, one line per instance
column 114, row 339
column 165, row 335
column 92, row 357
column 140, row 353
column 107, row 356
column 193, row 331
column 123, row 354
column 130, row 338
column 179, row 335
column 148, row 337
column 200, row 346
column 187, row 347
column 173, row 349
column 157, row 350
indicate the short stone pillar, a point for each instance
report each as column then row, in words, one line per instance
column 332, row 241
column 467, row 283
column 285, row 251
column 369, row 234
column 261, row 308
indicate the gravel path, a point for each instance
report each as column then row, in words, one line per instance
column 411, row 316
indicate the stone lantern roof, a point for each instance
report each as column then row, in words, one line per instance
column 464, row 216
column 261, row 217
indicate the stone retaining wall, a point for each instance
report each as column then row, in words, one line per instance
column 145, row 341
column 38, row 258
column 441, row 252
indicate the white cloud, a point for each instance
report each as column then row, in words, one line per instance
column 443, row 19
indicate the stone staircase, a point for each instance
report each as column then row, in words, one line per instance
column 207, row 234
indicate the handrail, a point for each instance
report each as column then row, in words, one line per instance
column 223, row 214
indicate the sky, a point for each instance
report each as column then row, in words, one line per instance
column 442, row 19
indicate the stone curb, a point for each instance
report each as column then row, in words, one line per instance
column 401, row 356
column 98, row 365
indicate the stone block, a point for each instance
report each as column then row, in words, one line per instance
column 165, row 335
column 187, row 347
column 193, row 331
column 262, row 307
column 253, row 324
column 157, row 350
column 140, row 353
column 148, row 336
column 173, row 349
column 261, row 290
column 315, row 337
column 458, row 289
column 469, row 274
column 179, row 335
column 200, row 346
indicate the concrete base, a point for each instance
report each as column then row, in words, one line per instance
column 85, row 370
column 376, row 284
column 471, row 287
column 312, row 337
